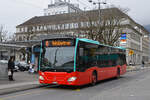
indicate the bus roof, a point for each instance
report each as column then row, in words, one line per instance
column 121, row 48
column 96, row 42
column 88, row 40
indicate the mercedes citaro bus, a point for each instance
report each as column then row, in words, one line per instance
column 77, row 61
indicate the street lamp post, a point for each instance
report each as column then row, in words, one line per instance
column 99, row 7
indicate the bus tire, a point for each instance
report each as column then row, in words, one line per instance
column 94, row 78
column 118, row 73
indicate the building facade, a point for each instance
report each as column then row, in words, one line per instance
column 136, row 44
column 145, row 49
column 72, row 23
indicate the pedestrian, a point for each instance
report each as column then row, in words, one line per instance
column 130, row 63
column 143, row 63
column 31, row 69
column 11, row 67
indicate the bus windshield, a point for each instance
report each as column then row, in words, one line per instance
column 57, row 58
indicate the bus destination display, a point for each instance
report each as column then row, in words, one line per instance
column 55, row 43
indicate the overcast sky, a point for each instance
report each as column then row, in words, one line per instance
column 15, row 12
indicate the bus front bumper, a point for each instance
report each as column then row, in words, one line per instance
column 58, row 78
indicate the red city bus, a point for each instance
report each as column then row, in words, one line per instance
column 76, row 62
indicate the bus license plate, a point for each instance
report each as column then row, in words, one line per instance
column 54, row 82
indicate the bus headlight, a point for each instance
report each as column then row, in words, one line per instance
column 71, row 79
column 42, row 73
column 41, row 77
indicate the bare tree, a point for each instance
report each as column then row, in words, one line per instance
column 3, row 34
column 12, row 37
column 107, row 29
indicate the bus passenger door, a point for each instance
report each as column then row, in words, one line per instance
column 102, row 70
column 82, row 66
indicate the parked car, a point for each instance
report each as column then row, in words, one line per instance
column 23, row 66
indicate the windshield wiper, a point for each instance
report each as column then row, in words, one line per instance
column 55, row 61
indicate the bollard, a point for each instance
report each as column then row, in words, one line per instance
column 3, row 70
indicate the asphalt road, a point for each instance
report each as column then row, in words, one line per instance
column 131, row 86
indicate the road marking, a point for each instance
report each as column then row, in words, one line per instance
column 77, row 90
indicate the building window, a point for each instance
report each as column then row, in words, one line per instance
column 85, row 24
column 26, row 29
column 59, row 26
column 39, row 28
column 49, row 27
column 55, row 27
column 17, row 30
column 88, row 24
column 82, row 24
column 66, row 26
column 135, row 37
column 71, row 25
column 135, row 46
column 62, row 26
column 75, row 25
column 52, row 27
column 33, row 29
column 45, row 28
column 20, row 38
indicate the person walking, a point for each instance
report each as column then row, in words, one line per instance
column 130, row 63
column 11, row 67
column 143, row 64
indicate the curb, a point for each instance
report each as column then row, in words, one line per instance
column 133, row 68
column 137, row 69
column 20, row 88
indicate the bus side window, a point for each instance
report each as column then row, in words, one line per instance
column 81, row 51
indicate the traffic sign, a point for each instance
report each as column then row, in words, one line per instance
column 131, row 52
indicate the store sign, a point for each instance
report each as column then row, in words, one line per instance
column 123, row 38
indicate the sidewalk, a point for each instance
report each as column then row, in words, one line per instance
column 23, row 81
column 137, row 67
